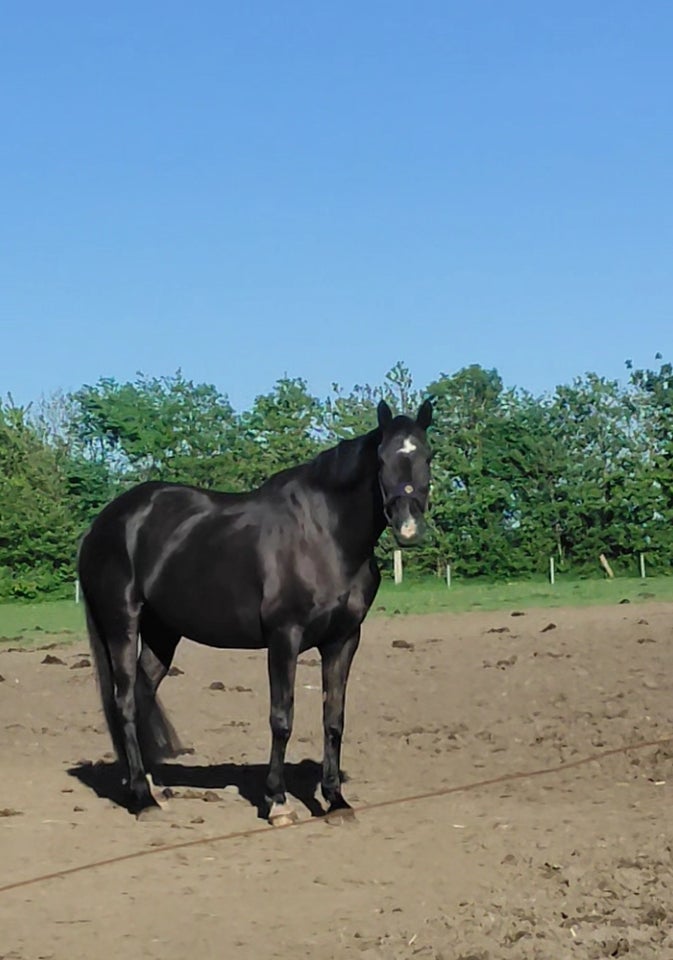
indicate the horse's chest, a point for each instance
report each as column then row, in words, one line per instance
column 310, row 580
column 330, row 622
column 336, row 615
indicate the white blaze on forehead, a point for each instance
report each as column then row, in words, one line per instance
column 408, row 446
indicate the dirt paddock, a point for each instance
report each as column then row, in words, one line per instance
column 568, row 860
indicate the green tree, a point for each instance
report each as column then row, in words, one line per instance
column 348, row 415
column 90, row 483
column 352, row 414
column 38, row 533
column 474, row 509
column 166, row 428
column 652, row 397
column 593, row 420
column 284, row 428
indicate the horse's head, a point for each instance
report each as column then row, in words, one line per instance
column 404, row 471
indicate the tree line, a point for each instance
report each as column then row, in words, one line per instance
column 585, row 470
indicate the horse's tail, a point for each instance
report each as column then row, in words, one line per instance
column 106, row 685
column 158, row 739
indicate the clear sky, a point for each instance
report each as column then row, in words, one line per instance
column 247, row 190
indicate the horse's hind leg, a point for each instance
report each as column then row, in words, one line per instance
column 120, row 633
column 158, row 739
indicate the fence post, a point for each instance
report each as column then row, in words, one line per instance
column 76, row 591
column 448, row 575
column 552, row 578
column 397, row 565
column 642, row 566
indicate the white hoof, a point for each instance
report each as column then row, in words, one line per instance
column 157, row 793
column 282, row 815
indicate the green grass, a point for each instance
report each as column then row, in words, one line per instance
column 63, row 620
column 433, row 596
column 41, row 623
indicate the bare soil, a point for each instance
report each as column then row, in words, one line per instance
column 571, row 859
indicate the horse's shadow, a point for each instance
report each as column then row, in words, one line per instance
column 302, row 779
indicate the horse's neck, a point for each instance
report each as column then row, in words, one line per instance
column 349, row 472
column 349, row 464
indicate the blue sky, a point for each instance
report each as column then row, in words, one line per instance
column 251, row 190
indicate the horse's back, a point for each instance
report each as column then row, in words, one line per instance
column 184, row 552
column 112, row 534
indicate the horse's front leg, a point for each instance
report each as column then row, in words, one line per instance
column 336, row 662
column 282, row 662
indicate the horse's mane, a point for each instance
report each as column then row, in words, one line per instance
column 342, row 465
column 346, row 463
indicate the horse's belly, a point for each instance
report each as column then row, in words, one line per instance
column 216, row 618
column 228, row 640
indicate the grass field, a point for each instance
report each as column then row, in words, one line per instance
column 432, row 595
column 63, row 620
column 41, row 623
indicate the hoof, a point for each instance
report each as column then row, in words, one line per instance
column 282, row 815
column 336, row 816
column 159, row 794
column 153, row 814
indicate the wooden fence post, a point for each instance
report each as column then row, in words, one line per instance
column 397, row 565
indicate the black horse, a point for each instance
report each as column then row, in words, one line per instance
column 287, row 566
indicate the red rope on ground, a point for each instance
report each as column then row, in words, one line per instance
column 365, row 808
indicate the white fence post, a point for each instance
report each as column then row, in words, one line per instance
column 448, row 575
column 76, row 591
column 397, row 565
column 552, row 577
column 642, row 566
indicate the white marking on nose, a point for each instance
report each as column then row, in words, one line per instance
column 408, row 528
column 408, row 446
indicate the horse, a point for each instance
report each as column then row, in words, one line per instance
column 287, row 566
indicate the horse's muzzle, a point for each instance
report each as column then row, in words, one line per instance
column 407, row 522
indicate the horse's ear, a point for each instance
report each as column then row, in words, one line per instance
column 424, row 416
column 385, row 414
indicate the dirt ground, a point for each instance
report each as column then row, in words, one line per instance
column 568, row 860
